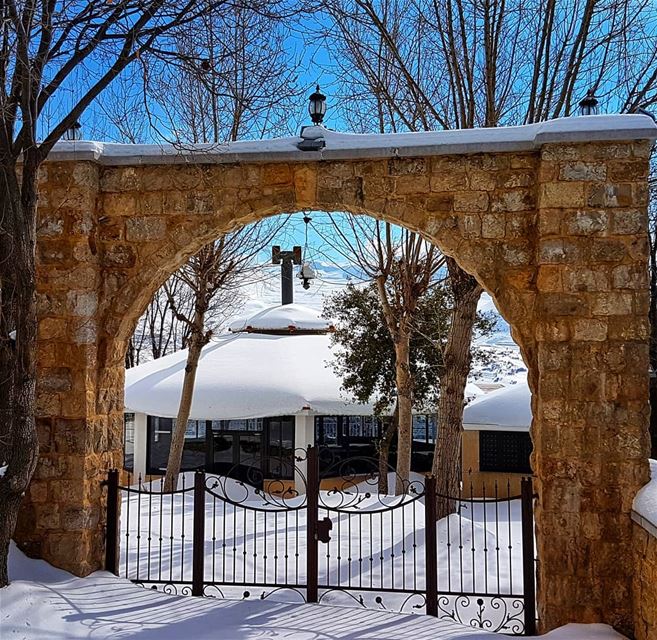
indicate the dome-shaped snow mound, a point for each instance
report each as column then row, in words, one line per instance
column 288, row 317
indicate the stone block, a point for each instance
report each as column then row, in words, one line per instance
column 562, row 195
column 50, row 226
column 608, row 250
column 549, row 222
column 410, row 184
column 119, row 255
column 82, row 303
column 439, row 202
column 610, row 195
column 452, row 180
column 589, row 329
column 146, row 228
column 584, row 171
column 305, row 186
column 480, row 180
column 493, row 225
column 630, row 277
column 471, row 201
column 586, row 223
column 563, row 304
column 514, row 179
column 517, row 254
column 629, row 221
column 627, row 170
column 277, row 174
column 549, row 278
column 120, row 204
column 470, row 226
column 612, row 303
column 407, row 166
column 560, row 251
column 513, row 200
column 585, row 279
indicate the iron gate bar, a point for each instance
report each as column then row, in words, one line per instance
column 312, row 515
column 431, row 546
column 112, row 523
column 529, row 587
column 198, row 541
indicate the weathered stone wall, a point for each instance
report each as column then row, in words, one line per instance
column 590, row 402
column 557, row 236
column 645, row 583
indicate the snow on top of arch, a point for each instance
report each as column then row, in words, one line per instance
column 294, row 317
column 353, row 146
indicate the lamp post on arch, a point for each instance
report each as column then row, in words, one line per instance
column 313, row 136
column 588, row 105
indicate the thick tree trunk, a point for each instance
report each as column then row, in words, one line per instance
column 19, row 445
column 457, row 357
column 384, row 450
column 178, row 436
column 405, row 408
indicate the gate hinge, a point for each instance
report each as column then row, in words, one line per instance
column 323, row 528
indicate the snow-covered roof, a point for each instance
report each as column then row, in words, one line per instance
column 645, row 502
column 355, row 146
column 508, row 409
column 288, row 317
column 246, row 375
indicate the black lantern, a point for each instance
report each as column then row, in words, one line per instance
column 317, row 106
column 74, row 132
column 588, row 106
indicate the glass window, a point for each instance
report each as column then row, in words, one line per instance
column 159, row 441
column 504, row 451
column 330, row 424
column 432, row 427
column 420, row 428
column 281, row 447
column 370, row 427
column 129, row 441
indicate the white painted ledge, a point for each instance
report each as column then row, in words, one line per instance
column 350, row 146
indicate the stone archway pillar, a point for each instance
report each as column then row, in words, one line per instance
column 591, row 388
column 62, row 519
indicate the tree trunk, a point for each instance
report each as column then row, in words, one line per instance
column 384, row 450
column 178, row 435
column 405, row 408
column 19, row 446
column 652, row 314
column 446, row 465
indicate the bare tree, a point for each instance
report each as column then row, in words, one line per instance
column 403, row 267
column 47, row 47
column 442, row 64
column 220, row 268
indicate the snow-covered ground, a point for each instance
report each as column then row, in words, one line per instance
column 44, row 603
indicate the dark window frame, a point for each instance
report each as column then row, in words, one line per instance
column 505, row 451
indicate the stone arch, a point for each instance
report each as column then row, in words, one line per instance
column 555, row 233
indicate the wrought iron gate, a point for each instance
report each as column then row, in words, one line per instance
column 344, row 544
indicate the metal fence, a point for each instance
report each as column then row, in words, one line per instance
column 216, row 536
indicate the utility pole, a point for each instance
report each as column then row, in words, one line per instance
column 286, row 259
